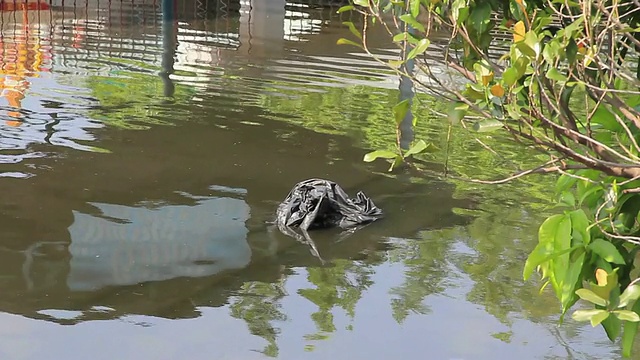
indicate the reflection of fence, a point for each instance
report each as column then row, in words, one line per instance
column 305, row 17
column 85, row 31
column 79, row 40
column 187, row 42
column 105, row 26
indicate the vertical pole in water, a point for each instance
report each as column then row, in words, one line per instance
column 407, row 93
column 169, row 43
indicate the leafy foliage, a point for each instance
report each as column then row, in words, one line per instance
column 562, row 79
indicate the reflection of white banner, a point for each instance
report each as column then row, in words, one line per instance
column 130, row 245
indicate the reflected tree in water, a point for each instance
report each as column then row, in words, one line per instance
column 426, row 270
column 339, row 285
column 130, row 96
column 354, row 110
column 258, row 304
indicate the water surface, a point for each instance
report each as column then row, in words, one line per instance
column 142, row 159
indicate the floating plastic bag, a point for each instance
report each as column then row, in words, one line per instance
column 318, row 203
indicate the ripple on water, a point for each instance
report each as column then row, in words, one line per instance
column 88, row 68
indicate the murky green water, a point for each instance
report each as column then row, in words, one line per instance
column 141, row 161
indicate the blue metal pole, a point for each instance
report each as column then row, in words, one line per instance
column 168, row 10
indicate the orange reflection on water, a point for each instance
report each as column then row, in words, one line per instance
column 21, row 55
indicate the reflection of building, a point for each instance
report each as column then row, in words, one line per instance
column 131, row 245
column 22, row 54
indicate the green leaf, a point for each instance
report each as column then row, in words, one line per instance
column 599, row 317
column 387, row 8
column 482, row 69
column 552, row 51
column 480, row 16
column 572, row 51
column 604, row 117
column 585, row 315
column 345, row 8
column 514, row 111
column 580, row 225
column 400, row 111
column 385, row 154
column 607, row 251
column 521, row 65
column 419, row 49
column 472, row 94
column 414, row 7
column 592, row 190
column 568, row 199
column 413, row 39
column 544, row 249
column 590, row 296
column 629, row 333
column 410, row 20
column 343, row 41
column 572, row 281
column 555, row 75
column 457, row 111
column 397, row 161
column 510, row 76
column 540, row 255
column 459, row 11
column 417, row 148
column 353, row 29
column 531, row 39
column 564, row 182
column 626, row 315
column 525, row 49
column 630, row 294
column 400, row 37
column 612, row 326
column 363, row 3
column 635, row 272
column 571, row 29
column 487, row 125
column 561, row 243
column 395, row 63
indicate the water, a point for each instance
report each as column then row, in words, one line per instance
column 141, row 161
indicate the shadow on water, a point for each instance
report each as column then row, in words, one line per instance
column 145, row 151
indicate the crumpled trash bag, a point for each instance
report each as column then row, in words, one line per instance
column 318, row 203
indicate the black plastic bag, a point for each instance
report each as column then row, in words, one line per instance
column 318, row 203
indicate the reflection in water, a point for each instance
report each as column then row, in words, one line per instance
column 22, row 56
column 169, row 43
column 127, row 246
column 407, row 93
column 18, row 61
column 156, row 139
